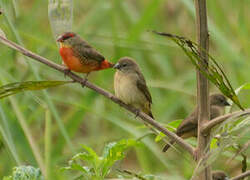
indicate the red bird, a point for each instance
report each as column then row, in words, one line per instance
column 79, row 56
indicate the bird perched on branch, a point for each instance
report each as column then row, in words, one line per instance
column 79, row 56
column 219, row 175
column 188, row 127
column 130, row 85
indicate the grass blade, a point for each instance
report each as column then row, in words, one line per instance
column 214, row 72
column 14, row 88
column 34, row 71
column 47, row 144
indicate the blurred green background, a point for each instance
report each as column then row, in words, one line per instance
column 116, row 28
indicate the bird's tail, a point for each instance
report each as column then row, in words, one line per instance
column 167, row 146
column 106, row 64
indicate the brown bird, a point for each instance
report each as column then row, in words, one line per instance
column 130, row 85
column 79, row 56
column 219, row 175
column 188, row 127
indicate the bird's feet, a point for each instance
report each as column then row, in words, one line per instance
column 85, row 80
column 83, row 83
column 137, row 112
column 196, row 154
column 66, row 72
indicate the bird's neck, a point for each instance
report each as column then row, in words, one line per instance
column 63, row 45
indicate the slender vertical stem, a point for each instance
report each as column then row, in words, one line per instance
column 47, row 144
column 202, row 85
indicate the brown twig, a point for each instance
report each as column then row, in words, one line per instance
column 209, row 125
column 99, row 90
column 241, row 176
column 202, row 86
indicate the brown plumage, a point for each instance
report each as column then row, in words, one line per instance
column 130, row 85
column 219, row 175
column 188, row 127
column 79, row 56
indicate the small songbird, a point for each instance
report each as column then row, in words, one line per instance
column 130, row 85
column 219, row 175
column 188, row 127
column 79, row 56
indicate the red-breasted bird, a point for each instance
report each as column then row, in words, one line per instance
column 79, row 56
column 188, row 127
column 130, row 85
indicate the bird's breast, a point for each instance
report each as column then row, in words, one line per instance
column 73, row 62
column 126, row 89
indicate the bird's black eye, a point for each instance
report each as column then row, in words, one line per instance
column 124, row 65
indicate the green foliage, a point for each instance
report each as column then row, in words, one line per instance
column 171, row 127
column 98, row 167
column 14, row 88
column 25, row 173
column 214, row 72
column 115, row 28
column 228, row 137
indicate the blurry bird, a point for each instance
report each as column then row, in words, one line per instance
column 219, row 175
column 130, row 85
column 79, row 56
column 188, row 127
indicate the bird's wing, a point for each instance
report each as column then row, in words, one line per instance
column 141, row 85
column 189, row 124
column 87, row 53
column 216, row 111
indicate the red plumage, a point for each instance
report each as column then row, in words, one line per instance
column 79, row 56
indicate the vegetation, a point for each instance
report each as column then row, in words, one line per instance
column 47, row 128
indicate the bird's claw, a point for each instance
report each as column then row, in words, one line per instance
column 83, row 83
column 137, row 112
column 66, row 72
column 196, row 154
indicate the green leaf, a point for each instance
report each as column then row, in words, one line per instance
column 171, row 127
column 14, row 88
column 159, row 137
column 214, row 72
column 98, row 167
column 174, row 124
column 25, row 173
column 115, row 151
column 78, row 168
column 246, row 86
column 213, row 144
column 92, row 154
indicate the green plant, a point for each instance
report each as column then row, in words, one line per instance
column 25, row 173
column 94, row 167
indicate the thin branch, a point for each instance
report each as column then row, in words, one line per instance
column 243, row 175
column 240, row 151
column 222, row 118
column 99, row 90
column 209, row 125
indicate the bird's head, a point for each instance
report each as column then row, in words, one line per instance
column 67, row 38
column 126, row 65
column 218, row 100
column 219, row 175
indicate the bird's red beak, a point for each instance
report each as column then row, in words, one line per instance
column 59, row 39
